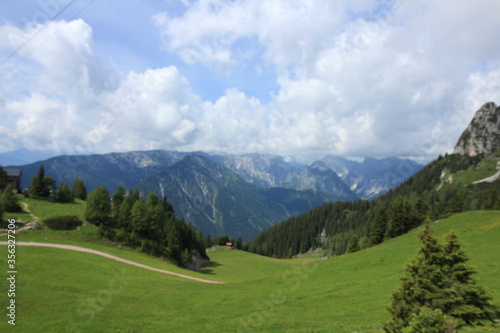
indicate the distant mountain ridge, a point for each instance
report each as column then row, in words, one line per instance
column 220, row 202
column 235, row 194
column 469, row 179
column 373, row 177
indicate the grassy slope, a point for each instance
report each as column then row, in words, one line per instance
column 343, row 294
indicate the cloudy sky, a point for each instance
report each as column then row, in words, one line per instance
column 293, row 77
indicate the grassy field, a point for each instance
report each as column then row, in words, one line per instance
column 65, row 291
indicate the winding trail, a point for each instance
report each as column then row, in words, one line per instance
column 33, row 216
column 109, row 256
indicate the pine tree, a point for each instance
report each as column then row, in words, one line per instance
column 168, row 207
column 39, row 189
column 3, row 178
column 437, row 279
column 456, row 204
column 461, row 297
column 419, row 286
column 42, row 185
column 379, row 226
column 421, row 210
column 426, row 320
column 49, row 186
column 78, row 189
column 353, row 244
column 402, row 218
column 63, row 194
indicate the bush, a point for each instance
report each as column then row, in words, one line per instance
column 63, row 222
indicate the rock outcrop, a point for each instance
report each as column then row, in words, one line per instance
column 482, row 136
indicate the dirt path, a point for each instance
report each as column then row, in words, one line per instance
column 33, row 216
column 26, row 209
column 109, row 256
column 490, row 179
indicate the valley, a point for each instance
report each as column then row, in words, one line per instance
column 341, row 294
column 235, row 195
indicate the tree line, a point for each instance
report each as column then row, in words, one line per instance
column 342, row 227
column 45, row 187
column 125, row 217
column 148, row 224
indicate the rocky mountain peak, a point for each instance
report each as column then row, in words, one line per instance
column 482, row 136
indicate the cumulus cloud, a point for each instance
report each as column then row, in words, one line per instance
column 72, row 101
column 368, row 78
column 357, row 79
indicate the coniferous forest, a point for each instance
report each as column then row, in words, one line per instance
column 334, row 226
column 148, row 224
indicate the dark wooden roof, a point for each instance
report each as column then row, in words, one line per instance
column 13, row 172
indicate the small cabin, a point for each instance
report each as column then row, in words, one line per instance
column 14, row 178
column 229, row 245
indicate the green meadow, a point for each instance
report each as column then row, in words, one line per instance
column 65, row 291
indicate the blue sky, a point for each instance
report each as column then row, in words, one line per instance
column 293, row 77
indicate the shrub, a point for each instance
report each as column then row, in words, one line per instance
column 63, row 222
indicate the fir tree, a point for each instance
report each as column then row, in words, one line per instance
column 42, row 185
column 426, row 320
column 379, row 226
column 461, row 297
column 78, row 189
column 419, row 286
column 353, row 244
column 3, row 178
column 63, row 194
column 402, row 218
column 39, row 188
column 437, row 279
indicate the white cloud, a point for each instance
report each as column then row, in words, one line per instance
column 368, row 78
column 72, row 101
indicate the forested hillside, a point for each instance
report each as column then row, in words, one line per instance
column 148, row 224
column 447, row 185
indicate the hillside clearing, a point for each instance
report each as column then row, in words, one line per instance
column 105, row 255
column 68, row 291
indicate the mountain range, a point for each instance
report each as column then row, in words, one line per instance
column 238, row 195
column 468, row 179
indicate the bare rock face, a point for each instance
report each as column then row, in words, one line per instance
column 482, row 136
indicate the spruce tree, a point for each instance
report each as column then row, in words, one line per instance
column 39, row 189
column 3, row 178
column 63, row 194
column 402, row 218
column 78, row 189
column 461, row 297
column 419, row 286
column 438, row 279
column 379, row 226
column 353, row 244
